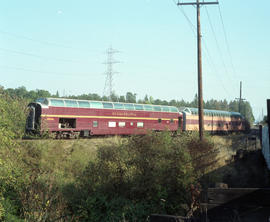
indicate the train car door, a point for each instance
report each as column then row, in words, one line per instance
column 180, row 123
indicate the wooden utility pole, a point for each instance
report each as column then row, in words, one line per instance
column 240, row 98
column 199, row 53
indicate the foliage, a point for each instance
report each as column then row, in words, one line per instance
column 126, row 180
column 13, row 115
column 130, row 180
column 10, row 170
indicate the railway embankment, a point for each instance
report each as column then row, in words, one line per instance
column 239, row 190
column 236, row 184
column 127, row 177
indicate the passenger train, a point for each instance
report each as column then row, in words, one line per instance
column 70, row 118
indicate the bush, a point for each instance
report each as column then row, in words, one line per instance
column 130, row 180
column 10, row 168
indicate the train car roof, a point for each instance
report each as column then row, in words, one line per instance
column 210, row 112
column 77, row 103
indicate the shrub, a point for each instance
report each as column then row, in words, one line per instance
column 132, row 179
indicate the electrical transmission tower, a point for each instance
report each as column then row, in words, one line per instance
column 108, row 87
column 198, row 4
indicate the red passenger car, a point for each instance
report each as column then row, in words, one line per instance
column 215, row 121
column 71, row 118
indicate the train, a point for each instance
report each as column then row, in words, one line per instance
column 73, row 118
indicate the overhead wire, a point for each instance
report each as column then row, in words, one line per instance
column 218, row 48
column 44, row 42
column 38, row 56
column 226, row 40
column 192, row 26
column 208, row 58
column 39, row 71
column 210, row 61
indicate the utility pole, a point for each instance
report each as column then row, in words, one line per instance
column 109, row 73
column 199, row 53
column 240, row 98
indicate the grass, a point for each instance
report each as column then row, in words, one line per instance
column 65, row 159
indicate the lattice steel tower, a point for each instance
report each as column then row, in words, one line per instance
column 108, row 87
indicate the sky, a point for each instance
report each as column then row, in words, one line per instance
column 61, row 46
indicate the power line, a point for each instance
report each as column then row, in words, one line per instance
column 37, row 56
column 192, row 26
column 226, row 40
column 41, row 41
column 208, row 55
column 218, row 47
column 38, row 71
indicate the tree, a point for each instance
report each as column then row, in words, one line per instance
column 122, row 99
column 233, row 106
column 146, row 100
column 157, row 102
column 131, row 97
column 114, row 97
column 194, row 103
column 246, row 111
column 43, row 93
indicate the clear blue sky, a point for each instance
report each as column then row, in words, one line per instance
column 60, row 45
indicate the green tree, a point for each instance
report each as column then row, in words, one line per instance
column 246, row 111
column 122, row 99
column 146, row 100
column 114, row 97
column 131, row 97
column 194, row 103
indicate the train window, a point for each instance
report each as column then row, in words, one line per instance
column 112, row 124
column 84, row 104
column 46, row 102
column 121, row 124
column 129, row 106
column 95, row 123
column 148, row 107
column 119, row 106
column 57, row 102
column 138, row 107
column 40, row 100
column 173, row 109
column 165, row 109
column 131, row 123
column 140, row 124
column 157, row 108
column 107, row 105
column 71, row 103
column 171, row 120
column 97, row 105
column 159, row 120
